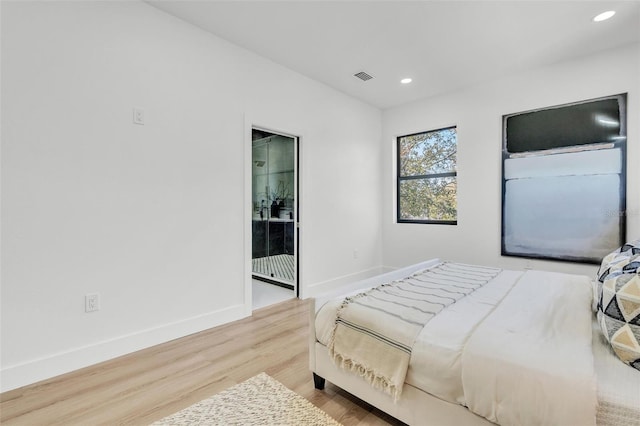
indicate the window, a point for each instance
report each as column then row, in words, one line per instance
column 564, row 180
column 427, row 182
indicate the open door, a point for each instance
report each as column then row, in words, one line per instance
column 275, row 209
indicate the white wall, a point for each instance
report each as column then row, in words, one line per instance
column 477, row 111
column 153, row 217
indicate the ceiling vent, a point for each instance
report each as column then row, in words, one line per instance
column 363, row 76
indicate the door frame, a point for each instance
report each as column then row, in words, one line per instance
column 249, row 125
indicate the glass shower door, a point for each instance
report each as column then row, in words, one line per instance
column 260, row 223
column 273, row 189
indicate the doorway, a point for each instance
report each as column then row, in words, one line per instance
column 274, row 188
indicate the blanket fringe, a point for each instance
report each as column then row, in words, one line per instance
column 371, row 377
column 376, row 380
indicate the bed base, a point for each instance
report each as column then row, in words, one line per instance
column 318, row 382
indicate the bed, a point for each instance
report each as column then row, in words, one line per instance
column 472, row 361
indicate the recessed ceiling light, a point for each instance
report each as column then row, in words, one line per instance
column 604, row 16
column 406, row 81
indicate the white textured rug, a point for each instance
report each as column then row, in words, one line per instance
column 261, row 400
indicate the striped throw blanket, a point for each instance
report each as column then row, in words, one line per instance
column 374, row 331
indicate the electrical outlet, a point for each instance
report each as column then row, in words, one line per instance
column 356, row 254
column 92, row 302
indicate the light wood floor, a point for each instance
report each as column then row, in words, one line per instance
column 150, row 384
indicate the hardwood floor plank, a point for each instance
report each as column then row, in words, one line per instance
column 139, row 388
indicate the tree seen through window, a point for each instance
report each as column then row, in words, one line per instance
column 427, row 177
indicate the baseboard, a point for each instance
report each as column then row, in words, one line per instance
column 33, row 371
column 327, row 286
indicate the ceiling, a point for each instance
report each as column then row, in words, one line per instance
column 441, row 45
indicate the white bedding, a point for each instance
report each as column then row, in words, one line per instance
column 435, row 362
column 436, row 365
column 375, row 331
column 618, row 385
column 530, row 362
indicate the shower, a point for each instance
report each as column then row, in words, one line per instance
column 274, row 199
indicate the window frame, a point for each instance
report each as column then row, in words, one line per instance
column 400, row 179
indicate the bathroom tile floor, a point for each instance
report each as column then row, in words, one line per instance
column 265, row 294
column 281, row 266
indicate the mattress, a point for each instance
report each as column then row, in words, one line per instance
column 435, row 365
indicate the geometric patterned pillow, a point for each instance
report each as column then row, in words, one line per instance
column 618, row 306
column 619, row 259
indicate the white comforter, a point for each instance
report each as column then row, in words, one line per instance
column 530, row 361
column 470, row 353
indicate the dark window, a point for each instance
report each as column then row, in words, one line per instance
column 569, row 125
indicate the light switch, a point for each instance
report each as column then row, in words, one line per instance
column 138, row 115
